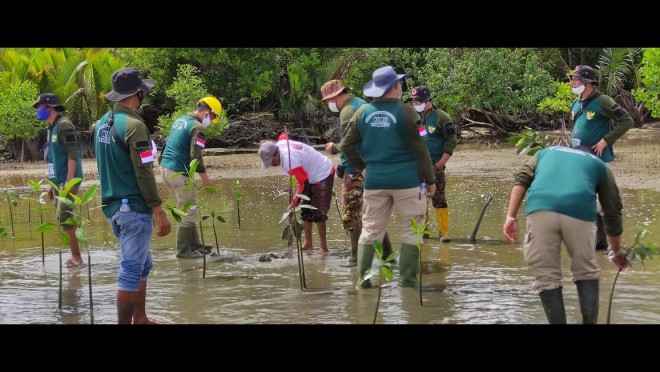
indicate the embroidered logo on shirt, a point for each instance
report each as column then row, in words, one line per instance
column 431, row 129
column 199, row 142
column 53, row 138
column 422, row 131
column 146, row 157
column 590, row 115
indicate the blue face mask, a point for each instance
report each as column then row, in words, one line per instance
column 42, row 113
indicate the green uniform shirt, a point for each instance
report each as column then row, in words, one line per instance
column 63, row 145
column 441, row 134
column 184, row 144
column 566, row 181
column 351, row 105
column 384, row 136
column 125, row 175
column 602, row 117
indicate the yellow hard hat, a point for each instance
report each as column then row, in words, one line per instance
column 214, row 104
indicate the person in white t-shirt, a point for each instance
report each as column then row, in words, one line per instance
column 314, row 173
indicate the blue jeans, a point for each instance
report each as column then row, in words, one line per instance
column 134, row 233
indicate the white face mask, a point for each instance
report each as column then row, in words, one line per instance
column 578, row 90
column 420, row 107
column 333, row 107
column 206, row 121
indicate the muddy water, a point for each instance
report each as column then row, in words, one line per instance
column 465, row 283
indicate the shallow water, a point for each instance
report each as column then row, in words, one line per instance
column 482, row 283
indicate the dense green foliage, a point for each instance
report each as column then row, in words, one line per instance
column 503, row 89
column 649, row 93
column 18, row 118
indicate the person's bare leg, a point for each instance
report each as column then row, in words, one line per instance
column 323, row 250
column 126, row 301
column 307, row 244
column 140, row 309
column 76, row 258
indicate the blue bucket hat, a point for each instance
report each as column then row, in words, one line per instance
column 383, row 79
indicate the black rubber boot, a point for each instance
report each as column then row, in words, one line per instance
column 387, row 246
column 588, row 295
column 553, row 305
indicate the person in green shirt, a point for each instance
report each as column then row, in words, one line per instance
column 64, row 163
column 129, row 193
column 185, row 144
column 598, row 121
column 384, row 141
column 441, row 142
column 562, row 184
column 338, row 98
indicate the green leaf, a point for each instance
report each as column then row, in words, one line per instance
column 220, row 218
column 64, row 238
column 209, row 188
column 46, row 227
column 370, row 273
column 69, row 185
column 66, row 201
column 205, row 217
column 71, row 221
column 81, row 235
column 3, row 232
column 285, row 216
column 89, row 194
column 303, row 197
column 173, row 176
column 76, row 199
column 36, row 186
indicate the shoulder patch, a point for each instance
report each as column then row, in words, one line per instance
column 618, row 111
column 142, row 145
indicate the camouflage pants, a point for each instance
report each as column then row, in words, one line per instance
column 439, row 199
column 351, row 201
column 320, row 196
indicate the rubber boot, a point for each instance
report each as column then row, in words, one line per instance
column 197, row 244
column 365, row 256
column 355, row 237
column 387, row 246
column 408, row 264
column 588, row 295
column 553, row 305
column 443, row 223
column 184, row 247
column 601, row 238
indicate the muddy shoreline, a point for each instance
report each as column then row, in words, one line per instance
column 636, row 167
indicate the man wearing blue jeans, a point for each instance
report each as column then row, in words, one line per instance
column 125, row 164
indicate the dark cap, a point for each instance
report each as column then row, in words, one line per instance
column 420, row 93
column 49, row 99
column 586, row 74
column 126, row 82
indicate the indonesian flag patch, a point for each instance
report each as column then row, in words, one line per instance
column 147, row 157
column 422, row 131
column 200, row 142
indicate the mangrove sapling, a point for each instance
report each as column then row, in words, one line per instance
column 420, row 230
column 40, row 198
column 238, row 195
column 215, row 233
column 384, row 267
column 639, row 250
column 297, row 228
column 11, row 196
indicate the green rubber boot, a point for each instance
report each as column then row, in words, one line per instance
column 184, row 248
column 408, row 264
column 588, row 295
column 365, row 256
column 197, row 244
column 553, row 305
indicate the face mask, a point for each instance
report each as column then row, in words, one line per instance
column 420, row 107
column 578, row 90
column 333, row 107
column 42, row 113
column 140, row 96
column 206, row 121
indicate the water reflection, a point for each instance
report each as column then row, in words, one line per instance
column 464, row 283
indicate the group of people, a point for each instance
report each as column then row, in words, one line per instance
column 393, row 157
